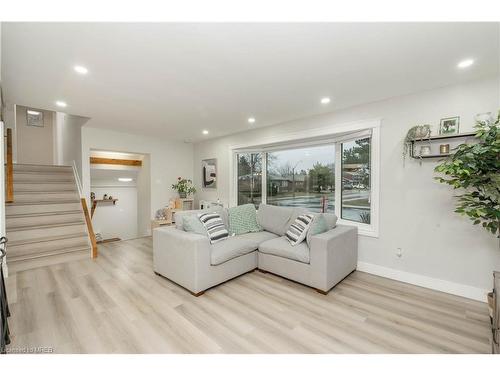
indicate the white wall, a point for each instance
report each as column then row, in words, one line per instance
column 119, row 219
column 68, row 139
column 34, row 144
column 168, row 159
column 416, row 213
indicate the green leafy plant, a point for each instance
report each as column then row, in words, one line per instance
column 476, row 169
column 184, row 186
column 418, row 132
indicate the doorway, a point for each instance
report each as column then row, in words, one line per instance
column 120, row 195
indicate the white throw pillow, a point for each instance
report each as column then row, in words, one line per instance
column 298, row 230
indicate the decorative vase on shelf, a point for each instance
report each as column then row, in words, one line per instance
column 182, row 195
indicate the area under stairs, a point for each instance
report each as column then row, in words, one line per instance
column 45, row 224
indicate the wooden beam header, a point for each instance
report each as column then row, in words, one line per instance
column 134, row 163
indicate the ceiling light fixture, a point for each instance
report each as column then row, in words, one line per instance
column 325, row 100
column 61, row 104
column 205, row 132
column 34, row 113
column 81, row 69
column 125, row 179
column 251, row 120
column 465, row 63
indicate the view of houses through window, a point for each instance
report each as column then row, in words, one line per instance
column 306, row 177
column 250, row 178
column 303, row 177
column 356, row 180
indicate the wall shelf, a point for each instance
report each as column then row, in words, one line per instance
column 96, row 201
column 433, row 139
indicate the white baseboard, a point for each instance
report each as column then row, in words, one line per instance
column 462, row 290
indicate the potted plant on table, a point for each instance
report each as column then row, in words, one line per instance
column 184, row 187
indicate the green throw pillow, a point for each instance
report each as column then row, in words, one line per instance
column 319, row 225
column 192, row 223
column 243, row 219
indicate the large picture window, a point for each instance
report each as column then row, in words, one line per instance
column 302, row 177
column 356, row 180
column 249, row 178
column 333, row 176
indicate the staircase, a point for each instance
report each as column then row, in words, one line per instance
column 45, row 223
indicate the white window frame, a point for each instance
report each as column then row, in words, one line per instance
column 316, row 137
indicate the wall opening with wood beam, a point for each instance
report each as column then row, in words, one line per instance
column 119, row 194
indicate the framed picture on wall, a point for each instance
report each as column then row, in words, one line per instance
column 449, row 126
column 209, row 173
column 34, row 118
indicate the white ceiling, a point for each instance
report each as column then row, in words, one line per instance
column 174, row 80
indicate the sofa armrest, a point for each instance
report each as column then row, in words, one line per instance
column 178, row 255
column 334, row 255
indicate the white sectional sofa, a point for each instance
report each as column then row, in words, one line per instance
column 189, row 259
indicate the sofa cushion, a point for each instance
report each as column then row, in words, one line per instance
column 243, row 219
column 233, row 247
column 179, row 215
column 215, row 226
column 192, row 223
column 331, row 220
column 282, row 248
column 258, row 237
column 298, row 230
column 319, row 225
column 274, row 219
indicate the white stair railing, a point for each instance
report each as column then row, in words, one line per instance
column 88, row 220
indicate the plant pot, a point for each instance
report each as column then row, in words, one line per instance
column 421, row 132
column 182, row 195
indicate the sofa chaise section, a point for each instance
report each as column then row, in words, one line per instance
column 332, row 256
column 186, row 259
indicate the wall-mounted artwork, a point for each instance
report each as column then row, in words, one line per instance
column 209, row 173
column 34, row 118
column 449, row 126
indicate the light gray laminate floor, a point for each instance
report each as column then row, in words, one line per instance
column 116, row 304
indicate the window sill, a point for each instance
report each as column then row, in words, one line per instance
column 363, row 229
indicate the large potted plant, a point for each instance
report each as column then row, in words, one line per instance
column 475, row 168
column 184, row 187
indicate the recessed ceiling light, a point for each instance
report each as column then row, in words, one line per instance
column 325, row 100
column 465, row 63
column 251, row 120
column 205, row 132
column 61, row 104
column 124, row 179
column 81, row 69
column 34, row 113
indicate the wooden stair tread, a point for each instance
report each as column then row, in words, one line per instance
column 27, row 171
column 23, row 192
column 47, row 253
column 46, row 239
column 59, row 201
column 38, row 214
column 42, row 165
column 42, row 229
column 46, row 226
column 35, row 192
column 44, row 247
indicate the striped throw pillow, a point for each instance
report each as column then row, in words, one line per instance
column 298, row 230
column 215, row 226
